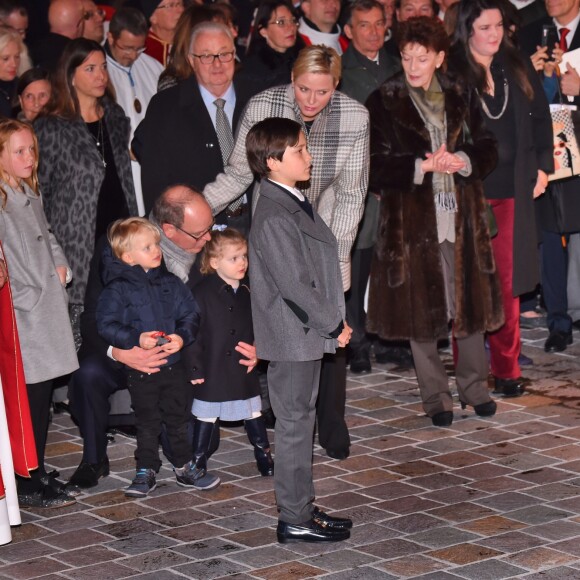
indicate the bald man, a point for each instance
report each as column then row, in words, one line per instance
column 184, row 219
column 66, row 21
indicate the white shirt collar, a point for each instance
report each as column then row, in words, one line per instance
column 295, row 192
column 519, row 4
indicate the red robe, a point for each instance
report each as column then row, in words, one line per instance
column 14, row 390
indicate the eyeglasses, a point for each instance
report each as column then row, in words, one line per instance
column 92, row 13
column 199, row 236
column 283, row 22
column 210, row 58
column 170, row 6
column 130, row 49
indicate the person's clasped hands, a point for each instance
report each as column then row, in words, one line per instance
column 442, row 161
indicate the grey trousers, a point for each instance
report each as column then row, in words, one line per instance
column 470, row 374
column 573, row 288
column 293, row 391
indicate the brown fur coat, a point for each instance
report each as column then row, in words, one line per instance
column 407, row 295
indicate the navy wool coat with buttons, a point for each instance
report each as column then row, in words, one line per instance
column 226, row 319
column 135, row 301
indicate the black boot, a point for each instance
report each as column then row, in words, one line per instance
column 202, row 439
column 214, row 441
column 258, row 437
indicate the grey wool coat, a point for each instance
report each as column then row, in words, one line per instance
column 297, row 295
column 40, row 301
column 71, row 173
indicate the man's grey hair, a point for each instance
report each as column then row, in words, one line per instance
column 203, row 27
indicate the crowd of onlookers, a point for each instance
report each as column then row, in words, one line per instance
column 428, row 142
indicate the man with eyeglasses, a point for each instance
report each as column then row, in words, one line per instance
column 94, row 28
column 184, row 220
column 132, row 73
column 187, row 133
column 163, row 16
column 319, row 25
column 66, row 22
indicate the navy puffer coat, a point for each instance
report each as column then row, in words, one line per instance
column 134, row 301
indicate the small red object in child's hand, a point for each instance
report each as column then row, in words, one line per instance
column 161, row 337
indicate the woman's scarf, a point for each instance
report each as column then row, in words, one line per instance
column 430, row 104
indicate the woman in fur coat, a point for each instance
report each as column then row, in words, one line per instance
column 433, row 261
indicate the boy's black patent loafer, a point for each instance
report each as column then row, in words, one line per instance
column 310, row 531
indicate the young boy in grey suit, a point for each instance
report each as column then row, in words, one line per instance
column 298, row 315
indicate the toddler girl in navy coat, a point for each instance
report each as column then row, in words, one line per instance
column 225, row 389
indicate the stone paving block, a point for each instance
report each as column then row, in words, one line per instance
column 408, row 505
column 560, row 573
column 263, row 557
column 362, row 535
column 341, row 501
column 157, row 560
column 461, row 511
column 437, row 576
column 128, row 528
column 387, row 442
column 487, row 436
column 540, row 514
column 492, row 525
column 459, row 459
column 363, row 573
column 107, row 498
column 456, row 494
column 405, row 454
column 414, row 523
column 174, row 519
column 415, row 468
column 392, row 490
column 212, row 568
column 102, row 571
column 512, row 542
column 508, row 501
column 244, row 522
column 84, row 557
column 158, row 575
column 253, row 538
column 411, row 566
column 483, row 471
column 566, row 453
column 288, row 571
column 212, row 548
column 28, row 531
column 370, row 477
column 127, row 511
column 138, row 544
column 31, row 568
column 557, row 530
column 443, row 537
column 362, row 514
column 498, row 484
column 555, row 491
column 544, row 475
column 539, row 558
column 394, row 548
column 74, row 539
column 193, row 532
column 533, row 428
column 341, row 560
column 25, row 551
column 464, row 554
column 438, row 481
column 489, row 570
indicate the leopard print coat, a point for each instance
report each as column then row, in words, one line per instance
column 71, row 173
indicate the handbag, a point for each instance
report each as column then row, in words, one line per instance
column 566, row 152
column 491, row 221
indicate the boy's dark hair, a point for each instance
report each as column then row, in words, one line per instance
column 268, row 139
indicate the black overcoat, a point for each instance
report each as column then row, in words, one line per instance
column 177, row 143
column 407, row 293
column 225, row 320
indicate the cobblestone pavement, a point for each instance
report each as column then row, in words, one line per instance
column 484, row 499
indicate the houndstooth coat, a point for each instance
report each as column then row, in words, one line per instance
column 339, row 145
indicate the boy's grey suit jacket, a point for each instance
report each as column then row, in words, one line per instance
column 296, row 286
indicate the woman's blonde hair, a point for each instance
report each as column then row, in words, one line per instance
column 8, row 35
column 318, row 59
column 214, row 248
column 122, row 232
column 7, row 128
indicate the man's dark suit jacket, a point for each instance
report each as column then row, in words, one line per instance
column 177, row 142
